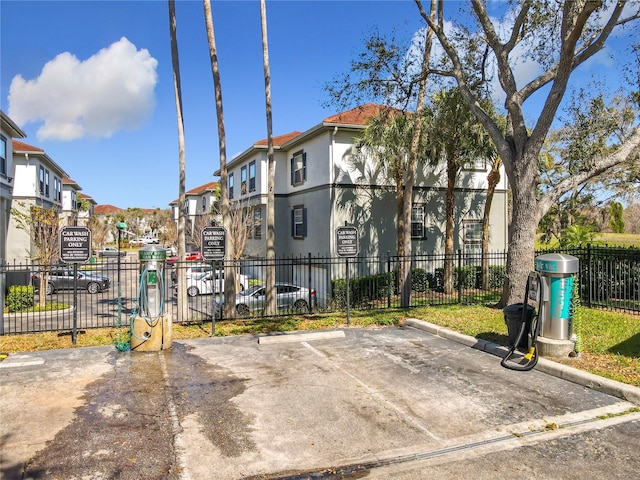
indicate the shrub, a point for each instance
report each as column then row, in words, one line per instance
column 363, row 289
column 496, row 276
column 20, row 297
column 419, row 280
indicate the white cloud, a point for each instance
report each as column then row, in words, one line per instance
column 110, row 91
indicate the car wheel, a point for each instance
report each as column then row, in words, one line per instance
column 300, row 306
column 50, row 289
column 93, row 287
column 192, row 291
column 242, row 310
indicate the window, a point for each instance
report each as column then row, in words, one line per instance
column 3, row 155
column 46, row 182
column 478, row 164
column 252, row 176
column 257, row 223
column 298, row 168
column 417, row 221
column 230, row 185
column 74, row 201
column 472, row 240
column 299, row 222
column 41, row 180
column 243, row 180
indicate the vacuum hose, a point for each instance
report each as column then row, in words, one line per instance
column 142, row 304
column 532, row 355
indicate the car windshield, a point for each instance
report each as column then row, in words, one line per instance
column 252, row 290
column 202, row 276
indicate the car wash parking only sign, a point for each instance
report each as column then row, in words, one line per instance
column 347, row 241
column 214, row 243
column 75, row 244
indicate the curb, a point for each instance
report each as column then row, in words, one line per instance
column 565, row 372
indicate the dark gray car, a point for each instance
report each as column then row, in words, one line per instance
column 61, row 278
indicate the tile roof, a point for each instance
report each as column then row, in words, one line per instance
column 72, row 183
column 280, row 139
column 202, row 188
column 84, row 196
column 357, row 116
column 106, row 210
column 25, row 147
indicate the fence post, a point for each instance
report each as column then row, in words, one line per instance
column 309, row 280
column 459, row 276
column 389, row 279
column 589, row 277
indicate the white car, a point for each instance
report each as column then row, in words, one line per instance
column 289, row 297
column 204, row 283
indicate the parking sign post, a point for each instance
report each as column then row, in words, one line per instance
column 347, row 245
column 75, row 247
column 213, row 246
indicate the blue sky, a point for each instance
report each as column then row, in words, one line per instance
column 109, row 63
column 137, row 164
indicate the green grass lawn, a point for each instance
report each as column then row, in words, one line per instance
column 609, row 341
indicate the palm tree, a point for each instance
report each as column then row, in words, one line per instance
column 270, row 307
column 182, row 281
column 229, row 272
column 460, row 139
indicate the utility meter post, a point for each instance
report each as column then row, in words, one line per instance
column 151, row 327
column 556, row 334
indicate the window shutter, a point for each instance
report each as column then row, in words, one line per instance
column 293, row 224
column 304, row 166
column 304, row 222
column 292, row 169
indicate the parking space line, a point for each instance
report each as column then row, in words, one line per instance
column 374, row 394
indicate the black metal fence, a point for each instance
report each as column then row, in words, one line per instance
column 609, row 278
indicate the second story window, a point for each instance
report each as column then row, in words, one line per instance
column 41, row 180
column 46, row 182
column 3, row 155
column 417, row 221
column 252, row 176
column 230, row 185
column 74, row 201
column 243, row 180
column 298, row 168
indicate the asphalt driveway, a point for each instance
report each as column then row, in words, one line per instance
column 397, row 403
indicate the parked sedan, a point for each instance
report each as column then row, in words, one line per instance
column 111, row 252
column 289, row 297
column 61, row 278
column 204, row 284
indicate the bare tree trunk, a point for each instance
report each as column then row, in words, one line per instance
column 229, row 270
column 492, row 179
column 270, row 307
column 182, row 281
column 405, row 277
column 448, row 235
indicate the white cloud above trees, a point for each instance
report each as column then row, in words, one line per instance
column 110, row 91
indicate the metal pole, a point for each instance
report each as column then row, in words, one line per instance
column 119, row 243
column 348, row 288
column 74, row 332
column 214, row 279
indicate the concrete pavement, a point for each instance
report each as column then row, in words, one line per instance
column 397, row 403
